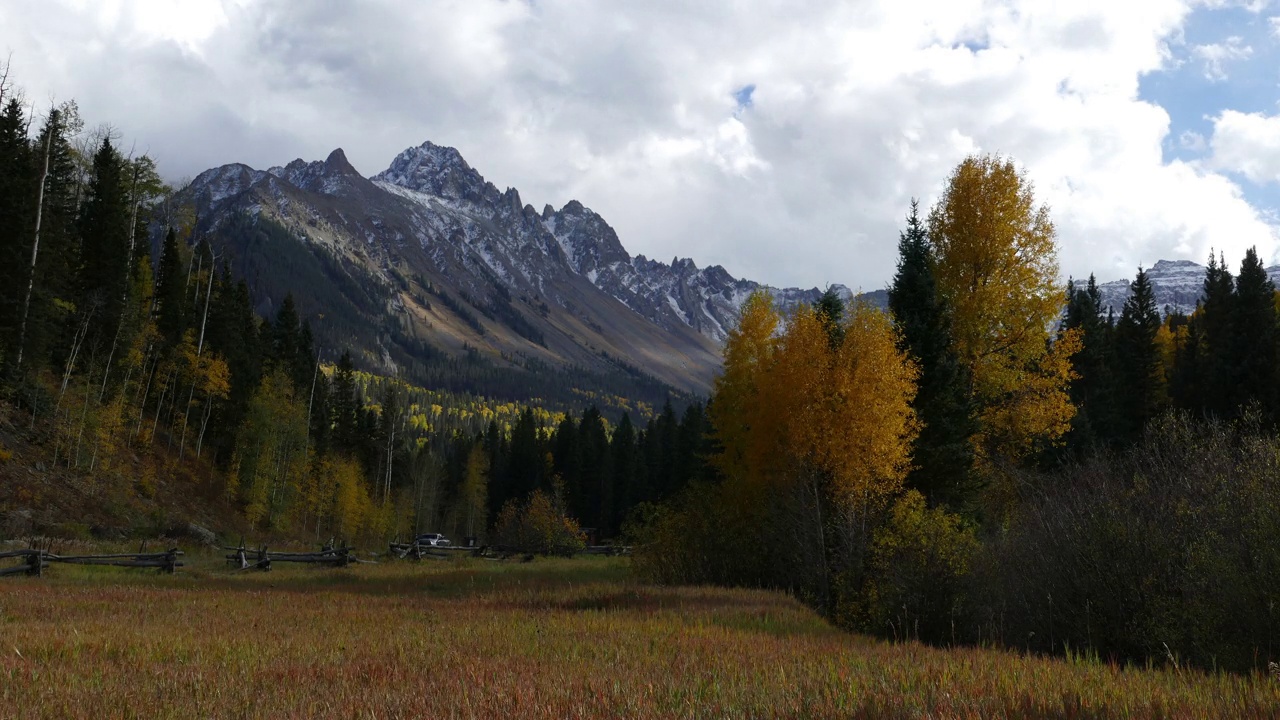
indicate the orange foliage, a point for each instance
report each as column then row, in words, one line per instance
column 791, row 406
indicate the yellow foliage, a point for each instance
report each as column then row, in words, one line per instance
column 997, row 267
column 351, row 506
column 791, row 407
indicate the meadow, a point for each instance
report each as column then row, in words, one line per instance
column 547, row 639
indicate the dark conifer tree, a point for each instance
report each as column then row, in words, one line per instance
column 172, row 306
column 18, row 185
column 624, row 461
column 1139, row 391
column 58, row 253
column 666, row 437
column 527, row 458
column 567, row 456
column 591, row 498
column 942, row 453
column 106, row 240
column 346, row 407
column 1091, row 390
column 1216, row 339
column 692, row 446
column 830, row 310
column 1253, row 342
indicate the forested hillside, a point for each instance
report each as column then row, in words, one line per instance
column 143, row 389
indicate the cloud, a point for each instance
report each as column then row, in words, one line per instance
column 1216, row 56
column 782, row 140
column 1193, row 141
column 1249, row 144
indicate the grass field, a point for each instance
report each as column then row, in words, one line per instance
column 548, row 639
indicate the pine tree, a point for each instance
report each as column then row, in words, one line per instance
column 1253, row 374
column 1216, row 339
column 172, row 308
column 346, row 407
column 591, row 500
column 623, row 459
column 943, row 453
column 830, row 309
column 527, row 457
column 106, row 238
column 51, row 288
column 1091, row 390
column 18, row 186
column 1140, row 391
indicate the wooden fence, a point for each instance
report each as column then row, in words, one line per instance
column 262, row 558
column 419, row 551
column 34, row 562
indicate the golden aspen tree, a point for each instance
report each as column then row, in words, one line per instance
column 997, row 268
column 473, row 496
column 792, row 406
column 738, row 414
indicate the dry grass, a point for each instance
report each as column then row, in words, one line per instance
column 549, row 639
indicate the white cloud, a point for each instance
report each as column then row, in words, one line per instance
column 1191, row 140
column 1247, row 143
column 857, row 108
column 1217, row 55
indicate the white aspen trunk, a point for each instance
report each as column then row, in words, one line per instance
column 208, row 294
column 35, row 241
column 124, row 296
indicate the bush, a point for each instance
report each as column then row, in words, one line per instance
column 1168, row 551
column 538, row 526
column 919, row 558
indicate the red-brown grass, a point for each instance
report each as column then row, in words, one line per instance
column 551, row 639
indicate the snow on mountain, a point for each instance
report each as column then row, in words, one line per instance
column 1177, row 284
column 706, row 300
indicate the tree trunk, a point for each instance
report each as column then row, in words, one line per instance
column 35, row 241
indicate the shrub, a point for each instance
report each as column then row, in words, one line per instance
column 919, row 557
column 538, row 526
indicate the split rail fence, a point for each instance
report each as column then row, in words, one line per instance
column 262, row 558
column 35, row 562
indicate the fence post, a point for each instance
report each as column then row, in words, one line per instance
column 35, row 563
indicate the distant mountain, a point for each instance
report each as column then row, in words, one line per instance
column 427, row 264
column 1178, row 286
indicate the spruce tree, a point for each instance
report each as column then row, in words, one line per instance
column 1253, row 337
column 942, row 453
column 1140, row 391
column 1217, row 394
column 346, row 407
column 106, row 242
column 830, row 310
column 172, row 311
column 1091, row 390
column 625, row 466
column 527, row 457
column 592, row 497
column 17, row 195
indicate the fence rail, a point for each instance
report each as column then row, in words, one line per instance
column 262, row 558
column 36, row 561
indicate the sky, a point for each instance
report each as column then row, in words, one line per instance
column 782, row 139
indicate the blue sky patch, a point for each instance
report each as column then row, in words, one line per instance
column 1226, row 58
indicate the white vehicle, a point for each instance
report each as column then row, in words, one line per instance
column 433, row 539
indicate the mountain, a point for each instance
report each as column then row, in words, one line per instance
column 1178, row 286
column 427, row 266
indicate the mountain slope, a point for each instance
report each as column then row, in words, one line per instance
column 427, row 263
